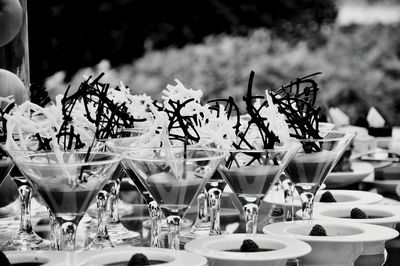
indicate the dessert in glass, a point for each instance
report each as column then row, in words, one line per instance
column 121, row 145
column 110, row 231
column 26, row 238
column 312, row 163
column 174, row 176
column 250, row 173
column 67, row 183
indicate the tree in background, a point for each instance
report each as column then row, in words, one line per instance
column 69, row 35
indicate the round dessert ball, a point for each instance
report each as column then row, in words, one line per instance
column 11, row 84
column 11, row 16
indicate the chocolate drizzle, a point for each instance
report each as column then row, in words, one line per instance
column 268, row 137
column 109, row 117
column 296, row 101
column 7, row 110
column 186, row 123
column 43, row 143
column 230, row 108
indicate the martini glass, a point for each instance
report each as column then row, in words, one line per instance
column 26, row 238
column 251, row 173
column 208, row 203
column 118, row 233
column 67, row 183
column 312, row 163
column 124, row 145
column 174, row 176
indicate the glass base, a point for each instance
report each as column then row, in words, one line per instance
column 185, row 224
column 26, row 241
column 95, row 244
column 120, row 236
column 187, row 235
column 197, row 230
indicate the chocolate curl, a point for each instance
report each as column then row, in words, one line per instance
column 231, row 109
column 69, row 139
column 268, row 137
column 296, row 101
column 186, row 123
column 6, row 110
column 43, row 143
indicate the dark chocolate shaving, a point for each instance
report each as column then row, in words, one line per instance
column 7, row 110
column 39, row 94
column 109, row 118
column 69, row 139
column 268, row 137
column 43, row 143
column 230, row 108
column 186, row 123
column 297, row 102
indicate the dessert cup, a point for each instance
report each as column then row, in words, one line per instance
column 343, row 244
column 26, row 238
column 312, row 163
column 67, row 183
column 225, row 250
column 173, row 176
column 123, row 145
column 251, row 173
column 383, row 215
column 156, row 256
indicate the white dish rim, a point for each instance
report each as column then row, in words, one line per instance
column 365, row 197
column 393, row 209
column 185, row 258
column 293, row 248
column 371, row 232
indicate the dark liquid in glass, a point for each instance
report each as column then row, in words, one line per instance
column 310, row 168
column 251, row 181
column 72, row 202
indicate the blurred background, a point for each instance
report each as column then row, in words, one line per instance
column 213, row 45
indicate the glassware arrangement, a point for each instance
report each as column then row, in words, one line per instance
column 121, row 145
column 26, row 238
column 250, row 175
column 173, row 176
column 67, row 183
column 312, row 163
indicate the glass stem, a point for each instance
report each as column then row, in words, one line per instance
column 113, row 201
column 67, row 229
column 202, row 208
column 307, row 201
column 214, row 201
column 173, row 222
column 102, row 233
column 54, row 233
column 25, row 195
column 250, row 217
column 289, row 200
column 156, row 227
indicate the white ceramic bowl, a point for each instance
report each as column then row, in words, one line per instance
column 343, row 245
column 343, row 198
column 361, row 170
column 390, row 217
column 45, row 257
column 215, row 249
column 114, row 255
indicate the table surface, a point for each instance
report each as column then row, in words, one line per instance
column 134, row 217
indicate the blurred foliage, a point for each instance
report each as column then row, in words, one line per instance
column 360, row 65
column 69, row 35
